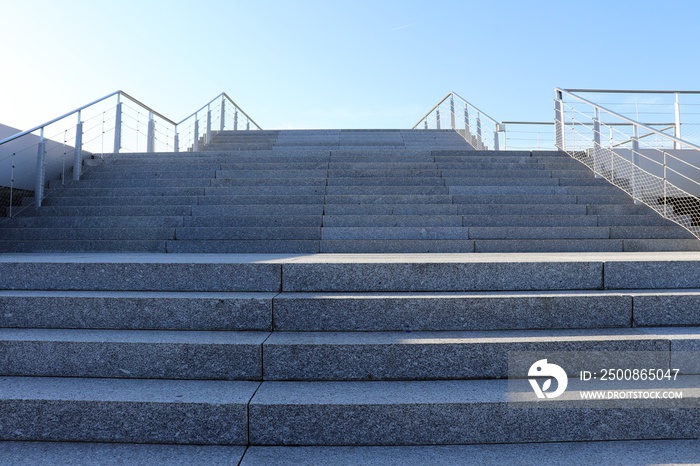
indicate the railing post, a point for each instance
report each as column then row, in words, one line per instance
column 40, row 170
column 559, row 141
column 452, row 112
column 207, row 140
column 437, row 113
column 635, row 165
column 479, row 143
column 195, row 146
column 222, row 124
column 677, row 129
column 235, row 119
column 78, row 152
column 247, row 125
column 425, row 124
column 176, row 141
column 596, row 143
column 151, row 137
column 118, row 126
column 495, row 138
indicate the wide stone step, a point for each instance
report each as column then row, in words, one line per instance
column 129, row 310
column 580, row 453
column 239, row 182
column 244, row 246
column 86, row 234
column 121, row 201
column 142, row 175
column 128, row 191
column 512, row 232
column 457, row 411
column 94, row 222
column 112, row 454
column 125, row 410
column 260, row 220
column 421, row 355
column 345, row 312
column 392, row 221
column 585, row 245
column 152, row 354
column 387, row 181
column 273, row 173
column 394, row 233
column 113, row 210
column 84, row 246
column 248, row 233
column 404, row 246
column 371, row 190
column 257, row 209
column 137, row 183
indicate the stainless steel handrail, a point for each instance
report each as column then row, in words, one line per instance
column 443, row 101
column 223, row 94
column 629, row 120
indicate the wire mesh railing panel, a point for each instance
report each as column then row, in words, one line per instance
column 647, row 161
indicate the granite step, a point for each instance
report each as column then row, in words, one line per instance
column 130, row 310
column 613, row 453
column 112, row 454
column 465, row 355
column 140, row 354
column 125, row 410
column 458, row 412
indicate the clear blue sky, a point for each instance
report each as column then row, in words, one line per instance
column 337, row 63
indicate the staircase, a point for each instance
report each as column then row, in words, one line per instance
column 291, row 344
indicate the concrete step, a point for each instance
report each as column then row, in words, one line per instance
column 121, row 201
column 387, row 181
column 421, row 355
column 84, row 246
column 565, row 232
column 112, row 454
column 404, row 246
column 239, row 182
column 524, row 454
column 128, row 310
column 114, row 210
column 394, row 233
column 119, row 222
column 128, row 191
column 273, row 173
column 244, row 246
column 382, row 312
column 371, row 190
column 261, row 220
column 152, row 354
column 360, row 413
column 392, row 221
column 257, row 209
column 389, row 199
column 86, row 234
column 125, row 410
column 136, row 183
column 181, row 172
column 248, row 233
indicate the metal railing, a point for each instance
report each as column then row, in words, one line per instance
column 115, row 123
column 453, row 112
column 649, row 161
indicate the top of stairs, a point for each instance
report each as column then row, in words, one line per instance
column 339, row 191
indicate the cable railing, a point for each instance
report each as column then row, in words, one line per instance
column 116, row 123
column 453, row 112
column 649, row 161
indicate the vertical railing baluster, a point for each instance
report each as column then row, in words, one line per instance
column 118, row 126
column 78, row 152
column 40, row 170
column 151, row 135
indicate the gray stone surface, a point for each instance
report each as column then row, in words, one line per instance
column 670, row 244
column 548, row 245
column 260, row 246
column 136, row 310
column 457, row 412
column 391, row 220
column 125, row 410
column 437, row 246
column 442, row 276
column 552, row 232
column 111, row 454
column 154, row 354
column 644, row 452
column 462, row 311
column 393, row 233
column 247, row 233
column 137, row 272
column 669, row 308
column 539, row 221
column 437, row 355
column 652, row 274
